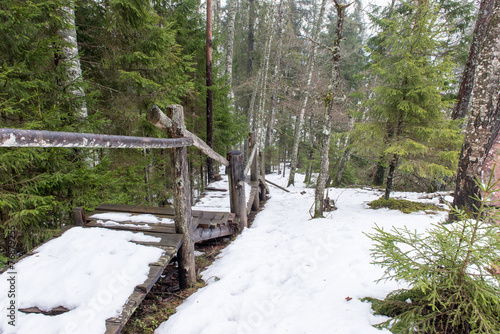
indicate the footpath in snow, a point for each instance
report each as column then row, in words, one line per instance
column 291, row 274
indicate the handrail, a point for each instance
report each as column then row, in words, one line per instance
column 250, row 160
column 37, row 138
column 156, row 117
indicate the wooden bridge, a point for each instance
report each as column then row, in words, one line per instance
column 177, row 228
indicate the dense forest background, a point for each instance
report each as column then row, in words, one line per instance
column 98, row 65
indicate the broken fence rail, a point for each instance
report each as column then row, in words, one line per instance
column 37, row 138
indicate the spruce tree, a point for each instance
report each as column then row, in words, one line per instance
column 407, row 109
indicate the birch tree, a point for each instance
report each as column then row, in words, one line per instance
column 233, row 6
column 484, row 120
column 467, row 84
column 69, row 57
column 209, row 82
column 333, row 100
column 300, row 117
column 276, row 80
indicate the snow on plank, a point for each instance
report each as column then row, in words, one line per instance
column 100, row 276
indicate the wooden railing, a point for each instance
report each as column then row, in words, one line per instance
column 180, row 138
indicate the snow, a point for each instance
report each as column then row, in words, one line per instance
column 122, row 216
column 89, row 271
column 291, row 274
column 285, row 274
column 113, row 223
column 216, row 200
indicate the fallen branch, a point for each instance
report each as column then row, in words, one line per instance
column 280, row 187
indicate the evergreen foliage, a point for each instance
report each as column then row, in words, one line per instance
column 133, row 54
column 408, row 111
column 452, row 272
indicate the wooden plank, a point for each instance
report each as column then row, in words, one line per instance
column 100, row 212
column 206, row 233
column 153, row 276
column 116, row 324
column 158, row 228
column 173, row 241
column 136, row 209
column 204, row 222
column 113, row 327
column 165, row 260
column 164, row 212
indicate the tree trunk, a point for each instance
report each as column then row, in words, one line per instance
column 333, row 99
column 263, row 91
column 230, row 46
column 250, row 46
column 210, row 167
column 182, row 200
column 390, row 176
column 484, row 119
column 467, row 84
column 70, row 58
column 300, row 119
column 274, row 101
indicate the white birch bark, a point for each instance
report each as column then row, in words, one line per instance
column 230, row 46
column 333, row 99
column 300, row 117
column 263, row 90
column 274, row 101
column 70, row 58
column 484, row 120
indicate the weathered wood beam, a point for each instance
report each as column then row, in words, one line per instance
column 254, row 171
column 36, row 138
column 237, row 187
column 182, row 201
column 156, row 117
column 277, row 186
column 251, row 159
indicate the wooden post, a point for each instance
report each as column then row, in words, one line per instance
column 237, row 187
column 263, row 191
column 78, row 217
column 182, row 200
column 254, row 171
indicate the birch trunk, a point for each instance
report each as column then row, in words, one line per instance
column 210, row 166
column 467, row 84
column 70, row 58
column 300, row 118
column 332, row 100
column 230, row 46
column 263, row 91
column 250, row 46
column 484, row 119
column 274, row 101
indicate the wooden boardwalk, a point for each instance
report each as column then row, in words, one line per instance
column 206, row 224
column 152, row 221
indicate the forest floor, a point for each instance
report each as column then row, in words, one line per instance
column 287, row 273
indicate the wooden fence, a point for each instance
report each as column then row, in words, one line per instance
column 180, row 138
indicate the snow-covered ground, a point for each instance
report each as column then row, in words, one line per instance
column 291, row 274
column 285, row 274
column 90, row 271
